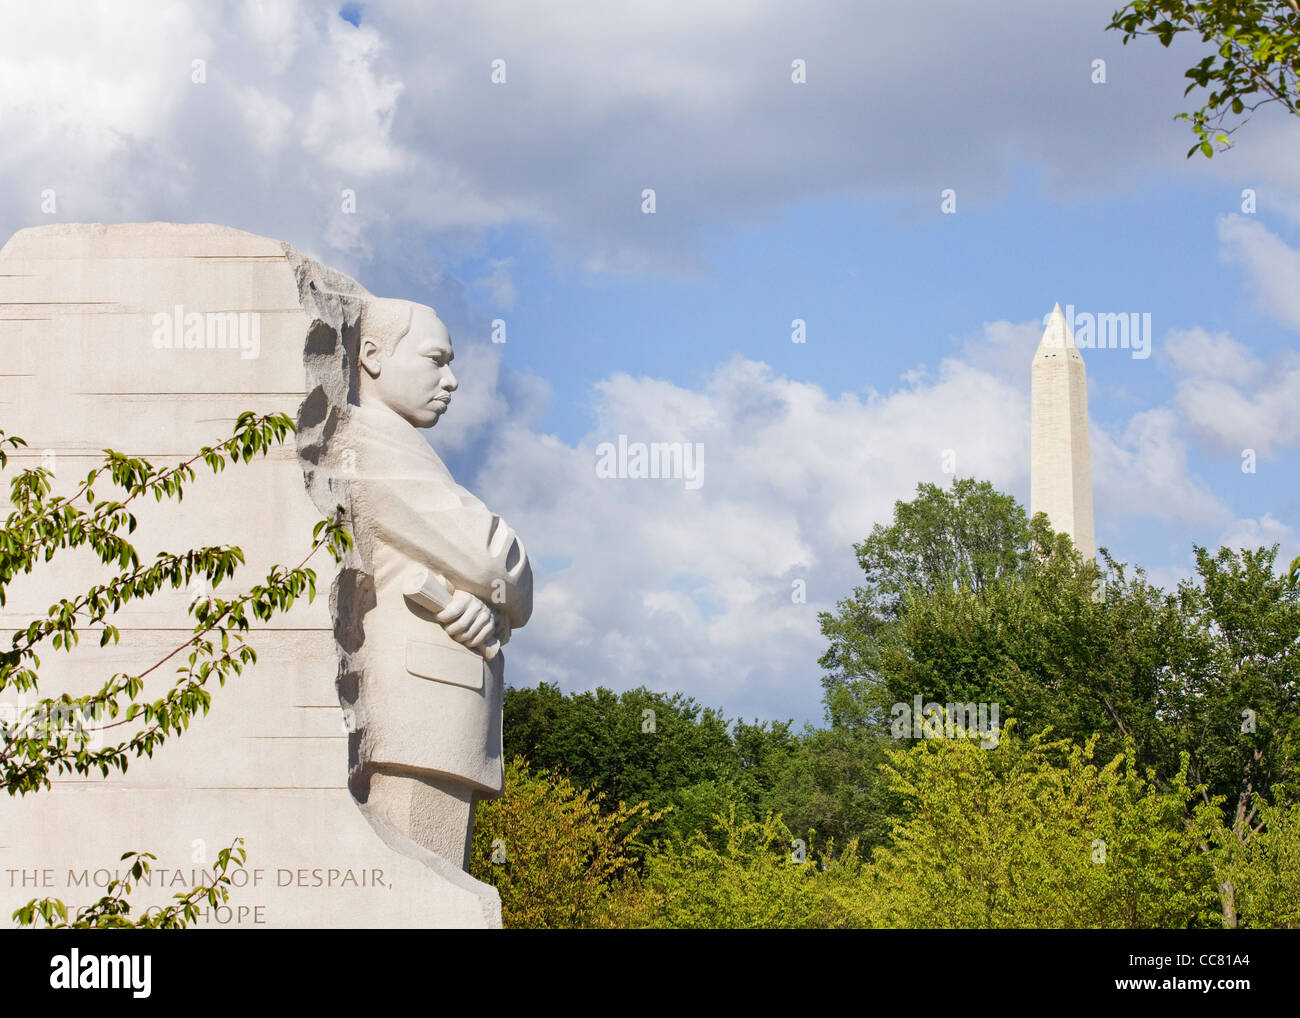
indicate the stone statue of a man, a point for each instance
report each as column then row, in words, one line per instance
column 445, row 582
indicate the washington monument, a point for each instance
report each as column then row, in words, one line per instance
column 1060, row 469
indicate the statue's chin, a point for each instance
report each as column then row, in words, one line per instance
column 423, row 417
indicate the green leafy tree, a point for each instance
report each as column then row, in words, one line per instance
column 1207, row 677
column 1056, row 645
column 831, row 787
column 744, row 874
column 640, row 746
column 1034, row 833
column 103, row 731
column 1264, row 870
column 1231, row 696
column 1255, row 57
column 553, row 852
column 1011, row 616
column 963, row 538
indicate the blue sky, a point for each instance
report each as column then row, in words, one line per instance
column 865, row 281
column 521, row 201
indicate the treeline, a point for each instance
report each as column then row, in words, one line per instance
column 668, row 751
column 1149, row 778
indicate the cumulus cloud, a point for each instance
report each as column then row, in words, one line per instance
column 1144, row 472
column 348, row 124
column 652, row 582
column 498, row 285
column 647, row 581
column 1201, row 354
column 1003, row 348
column 1263, row 532
column 694, row 100
column 1272, row 267
column 641, row 581
column 1232, row 400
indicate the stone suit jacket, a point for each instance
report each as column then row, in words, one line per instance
column 423, row 702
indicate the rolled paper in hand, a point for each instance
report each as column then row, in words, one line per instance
column 431, row 591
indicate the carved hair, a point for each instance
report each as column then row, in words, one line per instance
column 386, row 320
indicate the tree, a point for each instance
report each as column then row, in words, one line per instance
column 966, row 537
column 1231, row 696
column 552, row 851
column 1034, row 833
column 1031, row 833
column 964, row 600
column 1052, row 647
column 1256, row 57
column 745, row 874
column 1206, row 678
column 831, row 787
column 1264, row 871
column 60, row 734
column 643, row 746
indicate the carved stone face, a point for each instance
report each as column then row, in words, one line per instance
column 415, row 381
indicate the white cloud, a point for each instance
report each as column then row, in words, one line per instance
column 1231, row 399
column 691, row 590
column 1201, row 354
column 1273, row 268
column 1145, row 473
column 692, row 99
column 498, row 285
column 274, row 26
column 1263, row 532
column 348, row 124
column 1003, row 348
column 267, row 120
column 1231, row 421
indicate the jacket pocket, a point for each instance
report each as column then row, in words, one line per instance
column 444, row 664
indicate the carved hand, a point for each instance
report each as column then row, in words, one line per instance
column 468, row 620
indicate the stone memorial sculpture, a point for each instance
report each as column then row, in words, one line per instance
column 448, row 582
column 349, row 758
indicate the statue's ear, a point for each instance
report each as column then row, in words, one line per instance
column 368, row 356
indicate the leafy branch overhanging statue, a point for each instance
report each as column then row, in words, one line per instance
column 101, row 732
